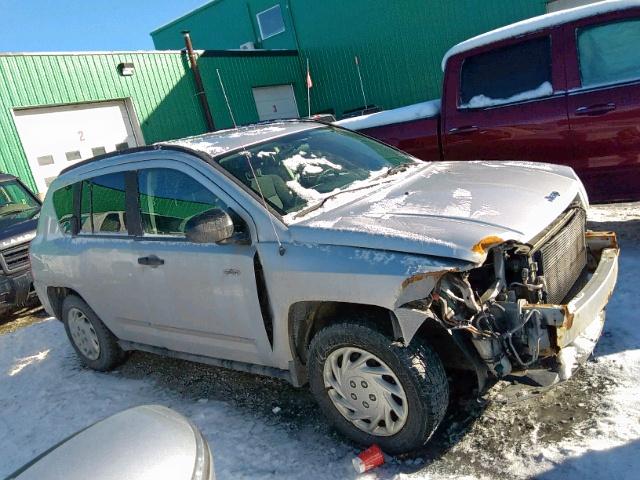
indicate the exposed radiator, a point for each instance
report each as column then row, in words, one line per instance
column 563, row 257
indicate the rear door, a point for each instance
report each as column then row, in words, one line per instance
column 603, row 74
column 508, row 101
column 202, row 298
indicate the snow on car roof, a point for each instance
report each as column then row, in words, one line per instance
column 396, row 115
column 222, row 141
column 538, row 23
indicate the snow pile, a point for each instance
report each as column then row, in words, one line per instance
column 538, row 23
column 482, row 101
column 396, row 115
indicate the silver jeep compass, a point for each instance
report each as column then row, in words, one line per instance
column 311, row 253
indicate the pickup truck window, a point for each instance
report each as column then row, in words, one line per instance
column 102, row 205
column 609, row 53
column 169, row 198
column 507, row 75
column 301, row 169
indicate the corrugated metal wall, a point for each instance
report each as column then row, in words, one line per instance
column 162, row 95
column 161, row 91
column 400, row 43
column 240, row 74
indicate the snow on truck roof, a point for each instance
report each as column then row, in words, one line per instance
column 538, row 23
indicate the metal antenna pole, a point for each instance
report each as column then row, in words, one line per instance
column 224, row 92
column 364, row 97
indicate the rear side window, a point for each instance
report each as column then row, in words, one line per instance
column 168, row 199
column 507, row 75
column 103, row 205
column 63, row 206
column 609, row 53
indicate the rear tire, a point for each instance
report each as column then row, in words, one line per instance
column 418, row 406
column 96, row 346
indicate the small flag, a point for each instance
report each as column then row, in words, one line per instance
column 309, row 81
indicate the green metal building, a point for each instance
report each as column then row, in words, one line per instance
column 399, row 43
column 58, row 108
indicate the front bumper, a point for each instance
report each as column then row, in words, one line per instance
column 578, row 323
column 16, row 291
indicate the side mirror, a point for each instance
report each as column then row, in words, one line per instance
column 213, row 226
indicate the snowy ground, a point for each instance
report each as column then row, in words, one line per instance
column 588, row 427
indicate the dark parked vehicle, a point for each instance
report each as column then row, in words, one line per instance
column 561, row 88
column 19, row 212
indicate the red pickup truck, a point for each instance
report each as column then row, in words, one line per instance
column 561, row 88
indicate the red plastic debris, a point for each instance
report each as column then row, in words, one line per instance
column 369, row 459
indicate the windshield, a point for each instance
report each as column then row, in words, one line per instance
column 300, row 170
column 14, row 199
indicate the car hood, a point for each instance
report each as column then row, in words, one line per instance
column 142, row 443
column 17, row 229
column 446, row 209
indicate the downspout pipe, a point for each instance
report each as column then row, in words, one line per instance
column 202, row 96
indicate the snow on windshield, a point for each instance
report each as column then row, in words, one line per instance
column 301, row 163
column 482, row 101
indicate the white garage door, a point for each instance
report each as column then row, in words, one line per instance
column 56, row 137
column 275, row 102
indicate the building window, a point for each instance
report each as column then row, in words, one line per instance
column 609, row 53
column 506, row 75
column 270, row 22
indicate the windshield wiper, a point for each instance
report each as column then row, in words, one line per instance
column 316, row 206
column 398, row 168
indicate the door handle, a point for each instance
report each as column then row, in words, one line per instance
column 151, row 261
column 599, row 109
column 465, row 129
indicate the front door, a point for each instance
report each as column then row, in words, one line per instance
column 508, row 102
column 202, row 297
column 603, row 69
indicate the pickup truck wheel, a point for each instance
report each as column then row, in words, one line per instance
column 375, row 390
column 96, row 346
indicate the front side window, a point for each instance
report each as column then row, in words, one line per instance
column 301, row 169
column 103, row 205
column 270, row 22
column 609, row 53
column 63, row 206
column 507, row 75
column 169, row 199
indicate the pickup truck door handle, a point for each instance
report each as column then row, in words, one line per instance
column 598, row 109
column 465, row 129
column 151, row 261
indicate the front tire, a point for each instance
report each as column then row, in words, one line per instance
column 375, row 390
column 96, row 346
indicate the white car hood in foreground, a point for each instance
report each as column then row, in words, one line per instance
column 447, row 209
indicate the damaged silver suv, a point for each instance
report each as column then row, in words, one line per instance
column 311, row 253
